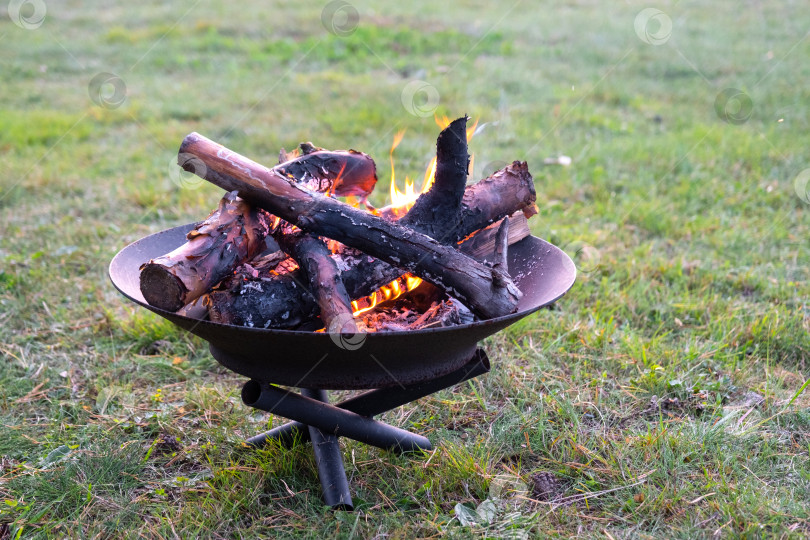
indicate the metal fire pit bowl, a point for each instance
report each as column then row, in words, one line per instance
column 312, row 360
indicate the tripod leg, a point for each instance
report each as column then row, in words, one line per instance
column 331, row 419
column 334, row 483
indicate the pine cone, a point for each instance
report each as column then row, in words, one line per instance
column 546, row 486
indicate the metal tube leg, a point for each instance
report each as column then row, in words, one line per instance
column 331, row 419
column 286, row 435
column 334, row 483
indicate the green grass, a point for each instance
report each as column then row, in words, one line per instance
column 666, row 393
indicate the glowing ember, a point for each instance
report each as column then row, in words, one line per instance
column 391, row 291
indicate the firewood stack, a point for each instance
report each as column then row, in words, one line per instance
column 282, row 251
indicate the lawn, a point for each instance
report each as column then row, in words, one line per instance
column 662, row 397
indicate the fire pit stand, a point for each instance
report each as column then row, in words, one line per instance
column 394, row 368
column 321, row 423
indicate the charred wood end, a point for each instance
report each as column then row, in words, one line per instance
column 161, row 288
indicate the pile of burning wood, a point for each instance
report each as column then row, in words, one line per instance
column 282, row 251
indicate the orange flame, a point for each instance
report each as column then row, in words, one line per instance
column 393, row 290
column 401, row 202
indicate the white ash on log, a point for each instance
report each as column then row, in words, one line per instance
column 488, row 291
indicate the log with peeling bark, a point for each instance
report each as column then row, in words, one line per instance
column 240, row 302
column 323, row 277
column 216, row 247
column 342, row 173
column 233, row 233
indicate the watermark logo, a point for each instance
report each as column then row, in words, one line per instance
column 802, row 186
column 27, row 14
column 107, row 90
column 420, row 98
column 190, row 173
column 340, row 18
column 587, row 258
column 342, row 332
column 733, row 106
column 653, row 26
column 492, row 167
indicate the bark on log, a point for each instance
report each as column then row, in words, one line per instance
column 233, row 233
column 489, row 292
column 501, row 245
column 481, row 245
column 323, row 275
column 216, row 248
column 248, row 303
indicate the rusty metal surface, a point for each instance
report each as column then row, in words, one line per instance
column 542, row 271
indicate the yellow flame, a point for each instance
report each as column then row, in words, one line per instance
column 443, row 121
column 401, row 201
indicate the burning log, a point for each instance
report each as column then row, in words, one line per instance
column 488, row 291
column 340, row 172
column 435, row 212
column 314, row 258
column 235, row 232
column 273, row 302
column 401, row 317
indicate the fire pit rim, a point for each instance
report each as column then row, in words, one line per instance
column 326, row 335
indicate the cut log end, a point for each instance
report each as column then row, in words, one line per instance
column 161, row 288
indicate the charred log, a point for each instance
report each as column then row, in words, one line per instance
column 323, row 275
column 283, row 301
column 489, row 292
column 435, row 212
